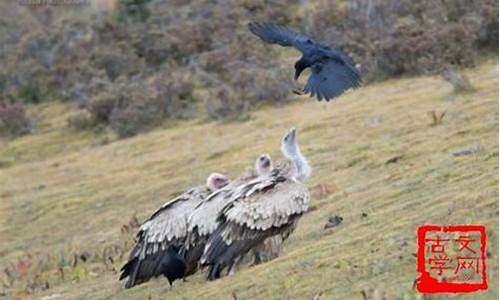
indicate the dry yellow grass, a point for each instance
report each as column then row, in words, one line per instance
column 64, row 192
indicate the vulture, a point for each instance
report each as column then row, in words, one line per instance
column 159, row 239
column 261, row 208
column 332, row 71
column 202, row 222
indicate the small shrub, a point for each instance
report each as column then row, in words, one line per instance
column 133, row 119
column 223, row 103
column 258, row 84
column 173, row 95
column 29, row 83
column 100, row 107
column 488, row 33
column 153, row 47
column 115, row 63
column 190, row 38
column 13, row 120
column 31, row 93
column 81, row 120
column 133, row 10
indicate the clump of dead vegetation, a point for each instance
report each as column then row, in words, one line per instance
column 14, row 120
column 32, row 272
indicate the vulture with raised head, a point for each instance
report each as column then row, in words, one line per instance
column 203, row 221
column 259, row 209
column 332, row 71
column 159, row 239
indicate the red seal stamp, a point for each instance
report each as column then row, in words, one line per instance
column 451, row 259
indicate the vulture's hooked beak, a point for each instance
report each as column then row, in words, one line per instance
column 291, row 133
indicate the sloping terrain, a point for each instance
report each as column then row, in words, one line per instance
column 378, row 161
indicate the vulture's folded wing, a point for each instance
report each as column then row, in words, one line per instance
column 163, row 232
column 268, row 204
column 261, row 208
column 203, row 219
column 169, row 222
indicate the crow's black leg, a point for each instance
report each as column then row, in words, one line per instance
column 298, row 91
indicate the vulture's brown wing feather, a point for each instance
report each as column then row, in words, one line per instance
column 203, row 220
column 166, row 228
column 259, row 209
column 170, row 221
column 268, row 204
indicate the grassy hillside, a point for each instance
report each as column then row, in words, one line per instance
column 374, row 151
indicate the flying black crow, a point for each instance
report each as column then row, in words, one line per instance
column 332, row 71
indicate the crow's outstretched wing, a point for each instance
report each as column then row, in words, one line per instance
column 281, row 35
column 331, row 77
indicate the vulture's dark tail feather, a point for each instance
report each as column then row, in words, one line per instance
column 192, row 257
column 214, row 256
column 130, row 268
column 127, row 268
column 218, row 248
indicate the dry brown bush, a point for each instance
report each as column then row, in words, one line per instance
column 133, row 106
column 14, row 120
column 81, row 120
column 223, row 103
column 101, row 107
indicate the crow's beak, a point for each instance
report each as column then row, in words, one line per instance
column 297, row 74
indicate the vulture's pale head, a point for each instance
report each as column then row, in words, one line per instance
column 216, row 181
column 263, row 164
column 289, row 143
column 291, row 150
